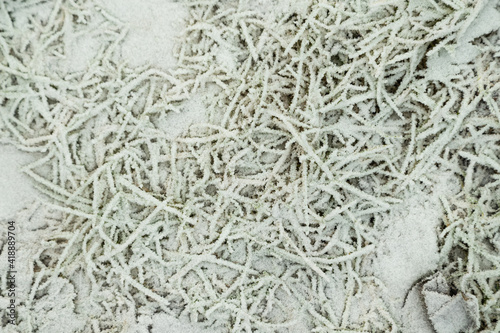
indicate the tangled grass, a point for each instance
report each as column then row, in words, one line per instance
column 258, row 220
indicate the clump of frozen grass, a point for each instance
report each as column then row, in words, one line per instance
column 259, row 219
column 470, row 240
column 472, row 260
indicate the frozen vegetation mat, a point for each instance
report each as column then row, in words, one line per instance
column 309, row 166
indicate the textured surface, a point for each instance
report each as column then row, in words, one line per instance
column 288, row 166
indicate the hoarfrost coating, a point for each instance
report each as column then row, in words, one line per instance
column 305, row 166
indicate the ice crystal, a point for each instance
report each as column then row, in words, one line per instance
column 258, row 219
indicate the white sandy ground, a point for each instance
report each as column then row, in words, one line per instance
column 407, row 249
column 16, row 188
column 154, row 26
